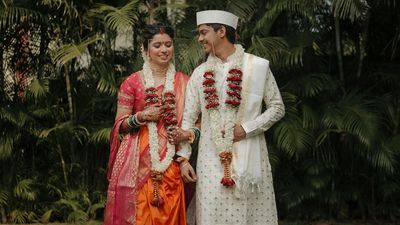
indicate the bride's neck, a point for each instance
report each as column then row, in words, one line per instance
column 159, row 70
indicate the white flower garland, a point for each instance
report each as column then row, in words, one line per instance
column 156, row 163
column 224, row 143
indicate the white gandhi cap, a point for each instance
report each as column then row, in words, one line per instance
column 217, row 16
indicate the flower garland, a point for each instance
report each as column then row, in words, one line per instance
column 158, row 165
column 223, row 132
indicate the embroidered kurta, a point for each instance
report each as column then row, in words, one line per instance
column 214, row 203
column 130, row 190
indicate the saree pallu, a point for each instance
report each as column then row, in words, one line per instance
column 130, row 190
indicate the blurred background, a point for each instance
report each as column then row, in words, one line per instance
column 335, row 155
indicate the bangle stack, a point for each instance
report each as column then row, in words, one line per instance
column 133, row 122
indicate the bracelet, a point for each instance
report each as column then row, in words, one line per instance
column 192, row 136
column 180, row 159
column 196, row 132
column 131, row 122
column 184, row 164
column 137, row 120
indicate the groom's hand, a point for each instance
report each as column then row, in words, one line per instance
column 238, row 133
column 187, row 172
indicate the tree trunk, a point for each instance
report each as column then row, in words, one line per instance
column 1, row 70
column 69, row 93
column 363, row 45
column 339, row 48
column 3, row 216
column 63, row 167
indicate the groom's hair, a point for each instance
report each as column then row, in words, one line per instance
column 230, row 31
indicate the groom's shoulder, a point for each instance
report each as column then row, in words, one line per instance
column 259, row 61
column 199, row 69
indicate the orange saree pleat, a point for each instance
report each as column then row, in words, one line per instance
column 171, row 190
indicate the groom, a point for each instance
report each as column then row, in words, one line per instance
column 234, row 180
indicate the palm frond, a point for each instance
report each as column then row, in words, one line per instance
column 77, row 216
column 118, row 19
column 271, row 48
column 384, row 157
column 38, row 89
column 45, row 218
column 359, row 118
column 302, row 7
column 311, row 85
column 68, row 52
column 291, row 137
column 76, row 132
column 24, row 190
column 6, row 146
column 14, row 115
column 100, row 136
column 13, row 15
column 243, row 9
column 3, row 198
column 68, row 7
column 107, row 83
column 68, row 203
column 93, row 208
column 189, row 54
column 350, row 9
column 19, row 216
column 353, row 114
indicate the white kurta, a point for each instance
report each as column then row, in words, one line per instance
column 216, row 204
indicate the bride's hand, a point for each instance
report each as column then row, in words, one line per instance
column 177, row 135
column 150, row 114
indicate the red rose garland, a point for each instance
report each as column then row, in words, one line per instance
column 234, row 81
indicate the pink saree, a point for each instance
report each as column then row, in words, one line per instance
column 130, row 190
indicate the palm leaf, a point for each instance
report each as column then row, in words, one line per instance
column 24, row 190
column 14, row 115
column 242, row 9
column 77, row 216
column 100, row 136
column 190, row 54
column 38, row 89
column 45, row 218
column 384, row 158
column 68, row 203
column 311, row 85
column 276, row 7
column 271, row 48
column 6, row 146
column 350, row 9
column 359, row 118
column 107, row 83
column 19, row 216
column 3, row 198
column 117, row 19
column 291, row 137
column 68, row 8
column 69, row 52
column 13, row 15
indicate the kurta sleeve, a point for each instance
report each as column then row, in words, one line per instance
column 191, row 112
column 275, row 109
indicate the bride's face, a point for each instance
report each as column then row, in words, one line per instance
column 161, row 49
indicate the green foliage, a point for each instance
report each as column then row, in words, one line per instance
column 334, row 155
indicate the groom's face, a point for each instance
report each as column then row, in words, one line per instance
column 207, row 37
